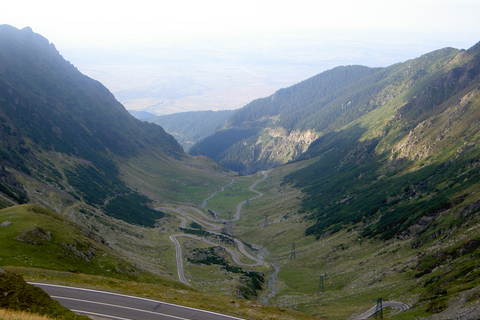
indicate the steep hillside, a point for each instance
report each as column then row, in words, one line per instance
column 191, row 127
column 62, row 110
column 403, row 162
column 33, row 236
column 287, row 122
column 64, row 137
column 340, row 275
column 20, row 296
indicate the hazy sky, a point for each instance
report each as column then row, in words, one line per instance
column 99, row 21
column 370, row 32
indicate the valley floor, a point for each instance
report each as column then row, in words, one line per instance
column 214, row 230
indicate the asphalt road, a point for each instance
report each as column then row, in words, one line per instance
column 211, row 226
column 121, row 307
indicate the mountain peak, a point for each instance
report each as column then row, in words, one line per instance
column 75, row 114
column 27, row 29
column 48, row 109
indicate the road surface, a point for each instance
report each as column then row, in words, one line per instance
column 121, row 307
column 260, row 194
column 211, row 226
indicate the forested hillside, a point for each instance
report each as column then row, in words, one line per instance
column 291, row 119
column 312, row 104
column 191, row 127
column 407, row 167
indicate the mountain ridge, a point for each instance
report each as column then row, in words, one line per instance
column 318, row 105
column 190, row 127
column 66, row 131
column 388, row 169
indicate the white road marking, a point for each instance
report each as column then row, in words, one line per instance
column 121, row 307
column 133, row 297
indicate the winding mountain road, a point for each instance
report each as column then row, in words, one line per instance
column 260, row 194
column 212, row 226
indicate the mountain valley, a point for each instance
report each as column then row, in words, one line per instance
column 356, row 184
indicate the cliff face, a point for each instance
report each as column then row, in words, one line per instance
column 450, row 129
column 445, row 114
column 275, row 146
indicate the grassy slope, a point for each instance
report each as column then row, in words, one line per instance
column 48, row 261
column 17, row 295
column 358, row 270
column 167, row 180
column 38, row 237
column 16, row 315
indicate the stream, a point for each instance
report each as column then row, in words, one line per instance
column 271, row 284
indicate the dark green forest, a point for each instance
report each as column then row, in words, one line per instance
column 323, row 104
column 191, row 127
column 352, row 183
column 47, row 105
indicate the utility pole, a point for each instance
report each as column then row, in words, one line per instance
column 265, row 224
column 293, row 254
column 321, row 284
column 229, row 225
column 247, row 204
column 378, row 310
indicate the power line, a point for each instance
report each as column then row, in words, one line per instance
column 293, row 254
column 321, row 283
column 228, row 230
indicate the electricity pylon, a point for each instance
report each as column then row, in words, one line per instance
column 321, row 284
column 378, row 310
column 293, row 254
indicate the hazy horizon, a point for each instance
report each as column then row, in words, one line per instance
column 218, row 55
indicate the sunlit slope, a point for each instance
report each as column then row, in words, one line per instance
column 44, row 246
column 413, row 160
column 280, row 128
column 341, row 274
column 33, row 236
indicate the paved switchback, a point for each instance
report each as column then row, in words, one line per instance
column 208, row 225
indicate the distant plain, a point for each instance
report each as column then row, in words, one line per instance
column 226, row 73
